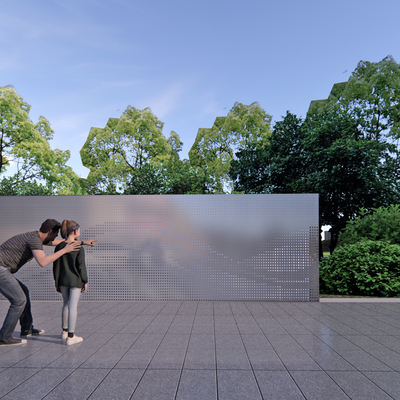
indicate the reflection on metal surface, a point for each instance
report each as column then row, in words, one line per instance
column 181, row 247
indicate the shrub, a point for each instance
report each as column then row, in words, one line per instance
column 383, row 225
column 367, row 268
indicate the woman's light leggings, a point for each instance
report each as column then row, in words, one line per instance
column 70, row 308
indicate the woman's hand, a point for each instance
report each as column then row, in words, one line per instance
column 84, row 287
column 58, row 289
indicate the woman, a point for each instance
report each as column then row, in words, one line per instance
column 71, row 280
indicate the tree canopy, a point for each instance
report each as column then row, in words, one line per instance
column 215, row 148
column 114, row 154
column 371, row 96
column 326, row 154
column 25, row 146
column 176, row 178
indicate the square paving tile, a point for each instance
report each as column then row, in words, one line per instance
column 199, row 359
column 278, row 385
column 237, row 385
column 197, row 384
column 167, row 358
column 357, row 386
column 157, row 384
column 317, row 385
column 118, row 384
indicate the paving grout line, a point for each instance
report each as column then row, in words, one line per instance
column 248, row 358
column 215, row 354
column 187, row 348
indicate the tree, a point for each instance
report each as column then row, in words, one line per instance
column 371, row 96
column 116, row 153
column 347, row 169
column 326, row 154
column 25, row 145
column 275, row 166
column 183, row 178
column 214, row 148
column 178, row 178
column 147, row 180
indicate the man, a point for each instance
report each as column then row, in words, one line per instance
column 14, row 253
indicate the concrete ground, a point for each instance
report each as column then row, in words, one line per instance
column 209, row 350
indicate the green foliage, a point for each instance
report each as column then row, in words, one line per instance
column 367, row 268
column 348, row 170
column 382, row 224
column 25, row 145
column 346, row 150
column 182, row 178
column 325, row 154
column 179, row 178
column 214, row 148
column 274, row 167
column 371, row 96
column 114, row 154
column 10, row 188
column 147, row 180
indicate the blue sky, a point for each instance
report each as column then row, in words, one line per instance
column 78, row 63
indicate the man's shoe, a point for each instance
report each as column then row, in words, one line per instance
column 64, row 335
column 13, row 341
column 32, row 332
column 73, row 340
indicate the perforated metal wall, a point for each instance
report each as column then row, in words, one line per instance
column 173, row 247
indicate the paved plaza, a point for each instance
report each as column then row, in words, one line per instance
column 209, row 350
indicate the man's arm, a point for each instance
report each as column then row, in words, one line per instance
column 44, row 260
column 55, row 242
column 58, row 241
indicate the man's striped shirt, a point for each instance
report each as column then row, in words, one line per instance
column 17, row 251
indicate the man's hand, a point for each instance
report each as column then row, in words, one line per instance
column 58, row 289
column 89, row 242
column 84, row 288
column 72, row 246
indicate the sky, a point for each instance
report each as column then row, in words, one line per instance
column 79, row 63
